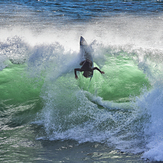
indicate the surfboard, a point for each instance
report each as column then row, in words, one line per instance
column 85, row 52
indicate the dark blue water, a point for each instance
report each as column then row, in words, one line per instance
column 68, row 12
column 46, row 115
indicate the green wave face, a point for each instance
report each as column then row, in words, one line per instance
column 16, row 87
column 121, row 80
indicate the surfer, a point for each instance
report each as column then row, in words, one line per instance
column 87, row 68
column 87, row 63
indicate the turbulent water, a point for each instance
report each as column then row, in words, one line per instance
column 46, row 115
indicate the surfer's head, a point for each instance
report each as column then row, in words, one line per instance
column 88, row 74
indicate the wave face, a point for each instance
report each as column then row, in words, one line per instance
column 121, row 108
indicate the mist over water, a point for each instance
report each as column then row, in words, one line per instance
column 39, row 49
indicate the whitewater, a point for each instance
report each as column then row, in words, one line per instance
column 46, row 115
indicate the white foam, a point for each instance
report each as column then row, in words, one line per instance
column 3, row 64
column 155, row 152
column 153, row 130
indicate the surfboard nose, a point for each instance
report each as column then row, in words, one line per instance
column 82, row 41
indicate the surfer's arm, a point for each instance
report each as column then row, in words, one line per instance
column 96, row 68
column 76, row 69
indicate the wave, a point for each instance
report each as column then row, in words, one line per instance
column 121, row 108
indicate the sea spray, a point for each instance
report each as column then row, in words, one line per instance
column 153, row 130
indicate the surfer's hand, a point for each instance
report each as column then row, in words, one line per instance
column 76, row 77
column 102, row 72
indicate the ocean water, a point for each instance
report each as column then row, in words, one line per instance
column 46, row 115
